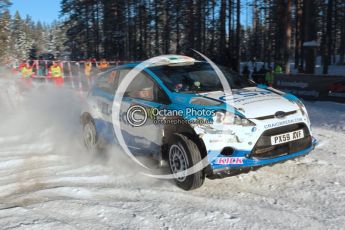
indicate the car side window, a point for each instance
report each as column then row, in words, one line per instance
column 143, row 87
column 162, row 97
column 106, row 81
column 122, row 74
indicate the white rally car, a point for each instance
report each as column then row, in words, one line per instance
column 176, row 112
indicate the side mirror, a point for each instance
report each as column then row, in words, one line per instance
column 126, row 94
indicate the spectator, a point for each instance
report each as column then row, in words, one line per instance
column 254, row 62
column 21, row 65
column 255, row 75
column 103, row 64
column 269, row 77
column 56, row 72
column 261, row 75
column 15, row 67
column 26, row 71
column 246, row 72
column 88, row 68
column 42, row 70
column 278, row 69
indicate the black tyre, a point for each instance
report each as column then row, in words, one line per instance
column 183, row 154
column 90, row 137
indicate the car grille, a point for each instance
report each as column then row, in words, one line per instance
column 273, row 116
column 263, row 148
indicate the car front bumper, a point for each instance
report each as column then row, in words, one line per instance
column 241, row 162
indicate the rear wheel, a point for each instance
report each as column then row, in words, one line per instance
column 90, row 137
column 183, row 154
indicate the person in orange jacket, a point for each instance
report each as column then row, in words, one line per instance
column 103, row 64
column 88, row 73
column 88, row 68
column 56, row 74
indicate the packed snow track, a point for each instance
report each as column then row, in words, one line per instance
column 48, row 181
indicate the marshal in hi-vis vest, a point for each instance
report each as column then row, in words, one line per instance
column 56, row 71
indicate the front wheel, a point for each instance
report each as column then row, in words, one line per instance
column 184, row 154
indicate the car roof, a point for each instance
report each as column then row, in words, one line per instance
column 164, row 60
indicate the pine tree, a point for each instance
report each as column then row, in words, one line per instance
column 24, row 38
column 127, row 30
column 4, row 4
column 5, row 36
column 328, row 37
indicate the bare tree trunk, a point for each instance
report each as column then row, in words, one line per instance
column 211, row 45
column 335, row 30
column 329, row 36
column 203, row 26
column 255, row 50
column 177, row 22
column 230, row 43
column 88, row 45
column 157, row 45
column 309, row 35
column 191, row 27
column 222, row 39
column 198, row 22
column 342, row 40
column 298, row 37
column 288, row 34
column 238, row 36
column 167, row 28
column 266, row 36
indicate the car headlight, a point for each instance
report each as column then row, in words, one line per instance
column 243, row 121
column 303, row 109
column 227, row 118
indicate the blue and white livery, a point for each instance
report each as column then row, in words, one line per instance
column 176, row 112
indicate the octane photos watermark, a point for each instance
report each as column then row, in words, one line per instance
column 138, row 116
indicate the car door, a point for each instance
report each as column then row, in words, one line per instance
column 103, row 96
column 142, row 92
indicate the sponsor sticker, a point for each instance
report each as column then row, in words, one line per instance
column 282, row 123
column 245, row 96
column 336, row 94
column 296, row 84
column 230, row 161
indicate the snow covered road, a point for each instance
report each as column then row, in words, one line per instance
column 47, row 181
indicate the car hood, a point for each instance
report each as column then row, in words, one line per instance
column 254, row 102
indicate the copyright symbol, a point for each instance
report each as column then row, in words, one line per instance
column 137, row 115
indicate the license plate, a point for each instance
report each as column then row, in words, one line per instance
column 287, row 137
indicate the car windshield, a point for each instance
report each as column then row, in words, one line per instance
column 196, row 78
